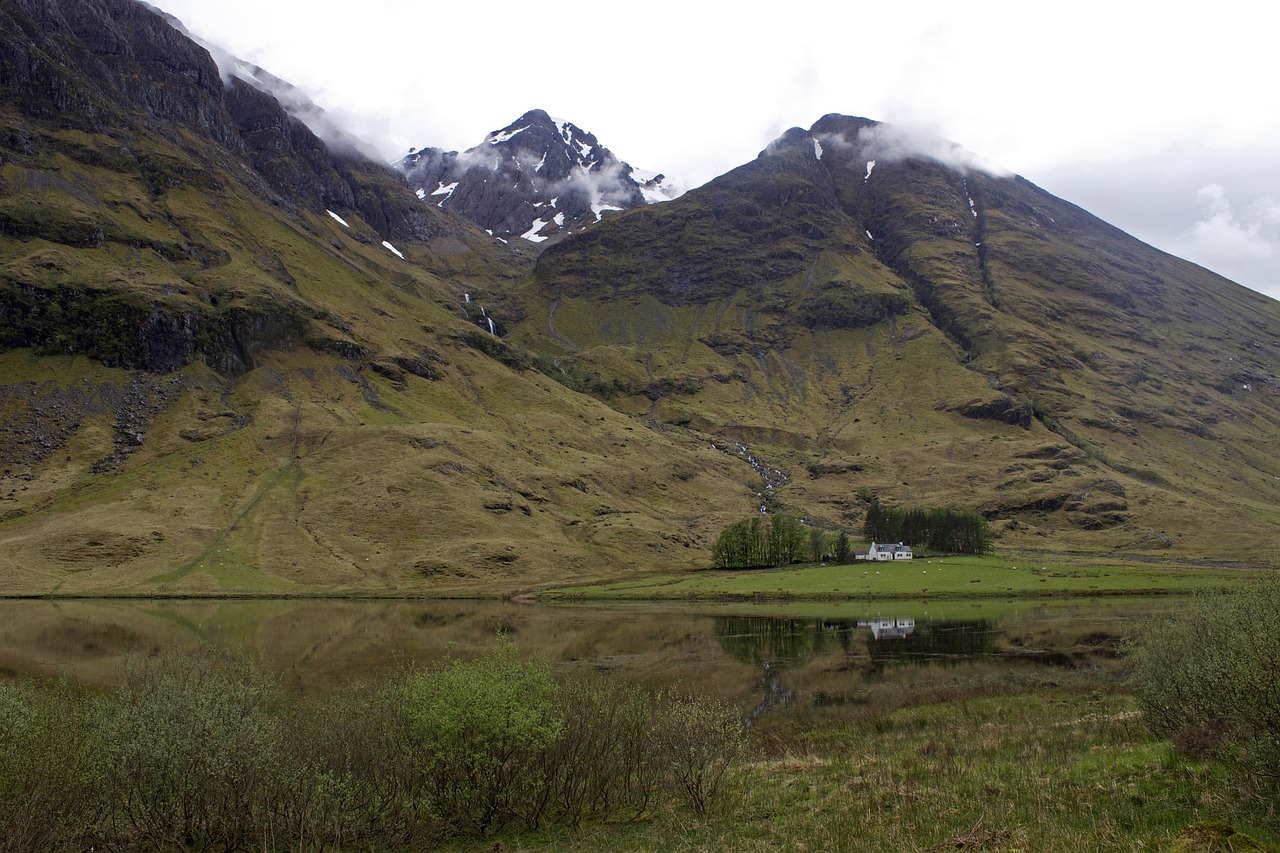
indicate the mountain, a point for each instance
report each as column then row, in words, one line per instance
column 236, row 358
column 535, row 178
column 884, row 313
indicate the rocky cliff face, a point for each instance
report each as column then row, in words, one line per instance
column 535, row 178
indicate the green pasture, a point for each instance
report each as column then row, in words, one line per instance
column 942, row 577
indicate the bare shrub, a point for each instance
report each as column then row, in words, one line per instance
column 355, row 780
column 48, row 776
column 606, row 764
column 191, row 754
column 1207, row 677
column 699, row 740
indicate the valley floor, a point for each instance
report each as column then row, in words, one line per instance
column 950, row 577
column 1056, row 763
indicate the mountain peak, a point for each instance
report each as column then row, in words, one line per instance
column 535, row 178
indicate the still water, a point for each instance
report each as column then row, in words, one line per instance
column 762, row 658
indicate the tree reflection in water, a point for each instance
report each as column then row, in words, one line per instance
column 776, row 645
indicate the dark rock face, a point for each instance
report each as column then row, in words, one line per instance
column 79, row 61
column 155, row 336
column 536, row 178
column 1005, row 410
column 161, row 117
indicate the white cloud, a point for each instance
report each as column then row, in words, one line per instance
column 1031, row 87
column 1238, row 240
column 887, row 143
column 1251, row 233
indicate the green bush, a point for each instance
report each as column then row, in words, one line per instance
column 482, row 727
column 1207, row 677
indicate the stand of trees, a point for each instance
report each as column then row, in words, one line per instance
column 777, row 540
column 939, row 529
column 758, row 542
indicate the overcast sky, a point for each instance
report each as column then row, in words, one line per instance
column 1163, row 119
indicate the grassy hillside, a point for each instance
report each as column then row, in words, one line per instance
column 934, row 336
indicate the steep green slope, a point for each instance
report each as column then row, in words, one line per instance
column 212, row 384
column 876, row 319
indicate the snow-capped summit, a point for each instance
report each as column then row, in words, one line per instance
column 537, row 177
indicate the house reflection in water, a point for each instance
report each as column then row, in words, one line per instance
column 889, row 629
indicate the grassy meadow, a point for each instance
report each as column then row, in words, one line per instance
column 1067, row 768
column 942, row 577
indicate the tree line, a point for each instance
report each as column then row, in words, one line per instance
column 777, row 540
column 939, row 529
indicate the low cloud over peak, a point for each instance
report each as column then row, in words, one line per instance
column 889, row 143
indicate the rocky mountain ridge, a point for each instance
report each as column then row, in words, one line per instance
column 534, row 179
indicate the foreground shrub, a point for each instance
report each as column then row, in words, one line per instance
column 482, row 728
column 200, row 752
column 700, row 739
column 356, row 781
column 1207, row 677
column 49, row 778
column 607, row 763
column 192, row 754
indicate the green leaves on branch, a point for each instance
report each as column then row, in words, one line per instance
column 482, row 728
column 778, row 540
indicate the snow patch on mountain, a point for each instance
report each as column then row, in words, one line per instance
column 443, row 189
column 532, row 234
column 503, row 136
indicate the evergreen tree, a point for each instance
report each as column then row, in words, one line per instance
column 843, row 551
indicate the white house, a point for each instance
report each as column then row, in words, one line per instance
column 883, row 552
